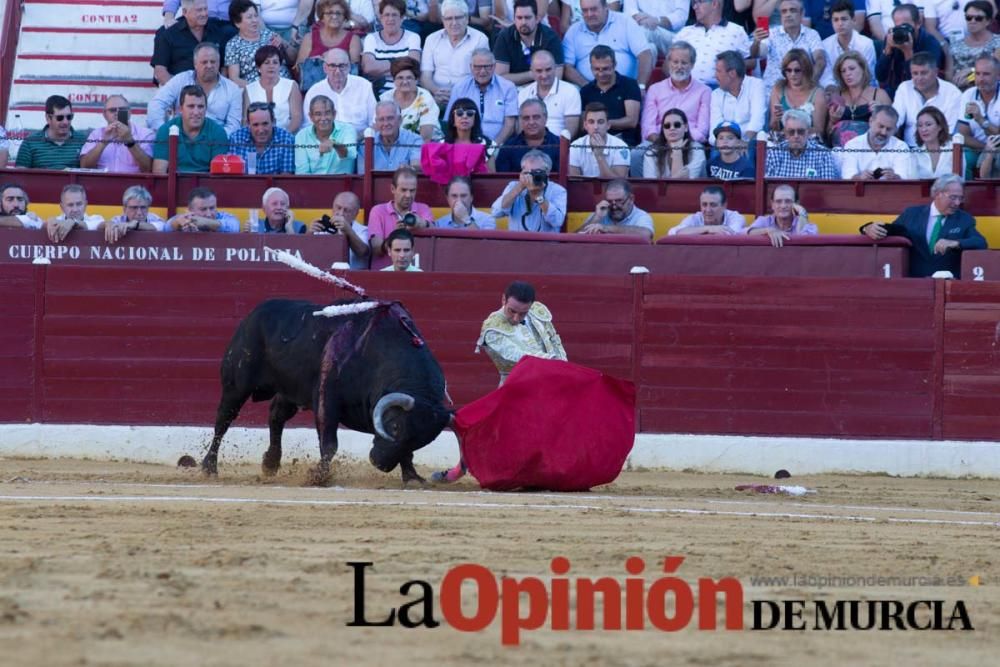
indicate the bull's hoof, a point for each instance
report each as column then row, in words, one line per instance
column 320, row 475
column 209, row 467
column 269, row 467
column 413, row 477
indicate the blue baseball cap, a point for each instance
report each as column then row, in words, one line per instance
column 727, row 126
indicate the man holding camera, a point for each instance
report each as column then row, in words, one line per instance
column 343, row 219
column 402, row 212
column 532, row 202
column 905, row 39
column 120, row 146
column 618, row 214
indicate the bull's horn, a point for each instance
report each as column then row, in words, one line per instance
column 395, row 399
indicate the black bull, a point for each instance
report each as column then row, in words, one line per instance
column 370, row 371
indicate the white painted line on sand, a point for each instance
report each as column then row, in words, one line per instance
column 469, row 505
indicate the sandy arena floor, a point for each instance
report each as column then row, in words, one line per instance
column 131, row 564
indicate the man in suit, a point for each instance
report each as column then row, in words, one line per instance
column 938, row 232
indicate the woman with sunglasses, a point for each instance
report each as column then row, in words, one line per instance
column 464, row 151
column 933, row 155
column 674, row 154
column 419, row 110
column 797, row 90
column 241, row 49
column 851, row 105
column 465, row 126
column 978, row 16
column 328, row 32
column 272, row 88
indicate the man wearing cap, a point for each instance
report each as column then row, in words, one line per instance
column 732, row 161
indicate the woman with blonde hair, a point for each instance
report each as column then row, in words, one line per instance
column 852, row 103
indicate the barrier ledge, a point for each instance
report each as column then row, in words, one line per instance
column 166, row 249
column 502, row 234
column 761, row 240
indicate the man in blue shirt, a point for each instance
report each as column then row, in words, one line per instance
column 394, row 146
column 263, row 143
column 533, row 203
column 202, row 215
column 732, row 161
column 533, row 117
column 799, row 155
column 495, row 96
column 462, row 212
column 633, row 53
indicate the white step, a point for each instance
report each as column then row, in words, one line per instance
column 141, row 14
column 83, row 43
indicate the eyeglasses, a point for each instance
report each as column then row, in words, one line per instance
column 465, row 113
column 340, row 66
column 676, row 125
column 975, row 18
column 793, row 70
column 794, row 131
column 115, row 109
column 484, row 67
column 59, row 117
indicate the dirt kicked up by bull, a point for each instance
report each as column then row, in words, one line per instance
column 359, row 363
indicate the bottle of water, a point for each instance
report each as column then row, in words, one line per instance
column 15, row 136
column 252, row 221
column 252, row 162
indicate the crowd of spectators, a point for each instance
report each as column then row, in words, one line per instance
column 642, row 88
column 658, row 89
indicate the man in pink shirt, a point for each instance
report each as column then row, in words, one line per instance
column 120, row 146
column 402, row 212
column 679, row 91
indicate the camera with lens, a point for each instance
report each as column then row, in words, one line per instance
column 327, row 224
column 539, row 178
column 902, row 33
column 409, row 219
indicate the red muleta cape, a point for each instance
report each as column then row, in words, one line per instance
column 553, row 425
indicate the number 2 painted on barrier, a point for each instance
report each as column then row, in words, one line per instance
column 978, row 273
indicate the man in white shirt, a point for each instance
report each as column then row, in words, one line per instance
column 877, row 154
column 659, row 18
column 791, row 34
column 351, row 95
column 845, row 38
column 925, row 89
column 562, row 98
column 598, row 154
column 447, row 53
column 710, row 35
column 739, row 98
column 73, row 207
column 979, row 106
column 713, row 218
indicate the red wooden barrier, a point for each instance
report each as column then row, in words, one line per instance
column 770, row 356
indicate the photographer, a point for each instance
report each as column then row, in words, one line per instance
column 618, row 214
column 343, row 219
column 402, row 212
column 901, row 42
column 532, row 202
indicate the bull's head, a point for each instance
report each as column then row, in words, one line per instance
column 404, row 424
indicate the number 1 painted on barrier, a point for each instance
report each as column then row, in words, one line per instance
column 886, row 271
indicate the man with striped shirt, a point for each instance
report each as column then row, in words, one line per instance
column 57, row 145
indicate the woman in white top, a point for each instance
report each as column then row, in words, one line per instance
column 273, row 88
column 282, row 15
column 380, row 48
column 674, row 154
column 933, row 155
column 420, row 111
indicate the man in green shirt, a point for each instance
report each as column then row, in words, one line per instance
column 201, row 138
column 326, row 146
column 57, row 146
